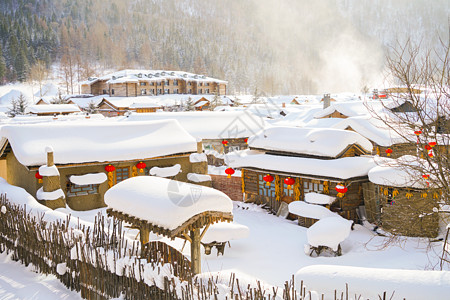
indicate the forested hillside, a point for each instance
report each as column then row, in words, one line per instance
column 277, row 46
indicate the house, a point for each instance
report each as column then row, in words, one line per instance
column 400, row 199
column 118, row 106
column 133, row 83
column 285, row 163
column 90, row 157
column 52, row 109
column 202, row 104
column 349, row 109
column 48, row 100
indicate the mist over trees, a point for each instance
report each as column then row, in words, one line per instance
column 277, row 46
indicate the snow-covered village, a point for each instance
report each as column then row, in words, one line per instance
column 200, row 149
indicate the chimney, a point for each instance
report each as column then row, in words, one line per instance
column 51, row 184
column 326, row 100
column 199, row 146
column 283, row 104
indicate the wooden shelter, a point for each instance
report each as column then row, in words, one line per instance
column 147, row 203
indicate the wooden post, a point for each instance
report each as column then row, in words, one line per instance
column 143, row 234
column 195, row 251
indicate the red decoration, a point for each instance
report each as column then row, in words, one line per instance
column 229, row 172
column 225, row 143
column 289, row 181
column 432, row 144
column 268, row 179
column 341, row 189
column 246, row 140
column 141, row 166
column 426, row 176
column 388, row 151
column 427, row 147
column 110, row 168
column 430, row 153
column 38, row 177
column 418, row 132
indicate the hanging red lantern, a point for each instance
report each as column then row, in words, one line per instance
column 388, row 151
column 432, row 144
column 418, row 132
column 110, row 168
column 141, row 166
column 225, row 143
column 246, row 140
column 38, row 177
column 268, row 179
column 341, row 189
column 289, row 182
column 430, row 153
column 427, row 147
column 229, row 172
column 426, row 176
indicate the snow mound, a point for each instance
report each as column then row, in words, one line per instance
column 371, row 283
column 223, row 232
column 329, row 232
column 313, row 211
column 197, row 157
column 41, row 195
column 165, row 171
column 315, row 198
column 163, row 202
column 8, row 97
column 194, row 177
column 86, row 179
column 48, row 171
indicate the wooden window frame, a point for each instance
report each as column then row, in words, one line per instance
column 122, row 168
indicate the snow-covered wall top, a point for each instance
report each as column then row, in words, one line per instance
column 163, row 202
column 80, row 142
column 52, row 108
column 209, row 124
column 319, row 141
column 341, row 168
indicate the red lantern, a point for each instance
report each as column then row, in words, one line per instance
column 432, row 144
column 418, row 132
column 388, row 151
column 110, row 168
column 426, row 176
column 341, row 189
column 268, row 179
column 141, row 166
column 38, row 177
column 427, row 147
column 430, row 153
column 225, row 143
column 246, row 140
column 229, row 172
column 289, row 181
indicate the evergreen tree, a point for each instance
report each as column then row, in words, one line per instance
column 2, row 66
column 189, row 105
column 60, row 99
column 216, row 101
column 18, row 106
column 22, row 66
column 92, row 108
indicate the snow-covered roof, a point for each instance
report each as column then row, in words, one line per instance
column 351, row 108
column 150, row 75
column 32, row 119
column 84, row 102
column 310, row 141
column 81, row 142
column 145, row 105
column 208, row 124
column 395, row 172
column 52, row 108
column 340, row 169
column 371, row 128
column 163, row 202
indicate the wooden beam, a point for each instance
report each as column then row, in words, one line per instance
column 204, row 231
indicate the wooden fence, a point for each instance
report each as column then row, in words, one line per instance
column 101, row 263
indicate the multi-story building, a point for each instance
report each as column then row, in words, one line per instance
column 132, row 83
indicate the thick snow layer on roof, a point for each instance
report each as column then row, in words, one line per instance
column 163, row 202
column 395, row 172
column 194, row 177
column 316, row 198
column 329, row 232
column 313, row 211
column 371, row 283
column 224, row 232
column 48, row 171
column 165, row 171
column 52, row 108
column 352, row 108
column 80, row 142
column 208, row 124
column 371, row 128
column 213, row 170
column 197, row 157
column 322, row 123
column 319, row 142
column 84, row 102
column 33, row 119
column 86, row 179
column 145, row 105
column 41, row 195
column 341, row 168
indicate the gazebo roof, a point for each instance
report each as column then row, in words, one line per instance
column 167, row 207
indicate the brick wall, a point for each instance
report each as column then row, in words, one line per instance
column 230, row 186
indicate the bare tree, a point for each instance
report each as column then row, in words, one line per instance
column 39, row 73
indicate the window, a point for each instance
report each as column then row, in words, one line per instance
column 207, row 84
column 175, row 91
column 159, row 91
column 200, row 91
column 200, row 84
column 74, row 190
column 234, row 148
column 152, row 83
column 153, row 91
column 175, row 82
column 143, row 83
column 190, row 91
column 112, row 91
column 265, row 190
column 312, row 186
column 143, row 92
column 206, row 91
column 167, row 82
column 166, row 91
column 104, row 92
column 159, row 83
column 122, row 174
column 189, row 83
